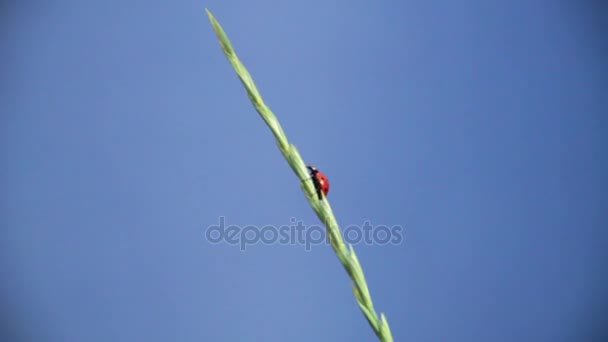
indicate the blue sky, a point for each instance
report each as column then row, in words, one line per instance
column 477, row 126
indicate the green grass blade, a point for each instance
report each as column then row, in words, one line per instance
column 322, row 208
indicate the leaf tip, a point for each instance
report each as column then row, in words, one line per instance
column 209, row 14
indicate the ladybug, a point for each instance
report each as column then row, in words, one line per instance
column 319, row 180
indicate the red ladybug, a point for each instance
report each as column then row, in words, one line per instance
column 319, row 180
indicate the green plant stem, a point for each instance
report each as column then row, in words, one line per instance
column 322, row 208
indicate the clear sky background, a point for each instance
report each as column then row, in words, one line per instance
column 477, row 126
